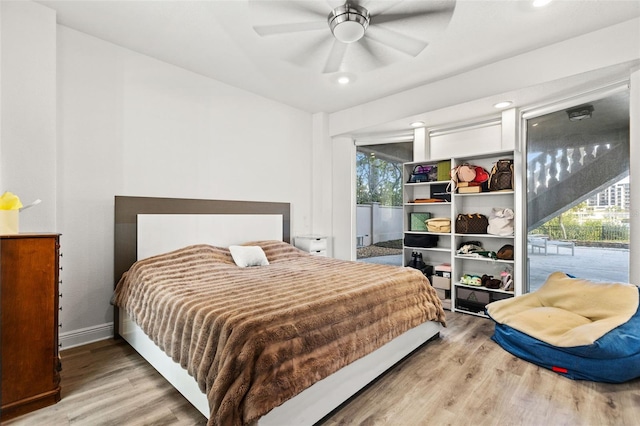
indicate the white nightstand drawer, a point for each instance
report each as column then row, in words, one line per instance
column 311, row 243
column 319, row 253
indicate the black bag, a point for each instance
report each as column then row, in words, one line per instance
column 501, row 176
column 472, row 223
column 424, row 173
column 424, row 241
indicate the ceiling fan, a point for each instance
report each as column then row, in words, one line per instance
column 355, row 36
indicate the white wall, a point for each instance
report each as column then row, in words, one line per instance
column 343, row 201
column 376, row 223
column 129, row 125
column 28, row 138
column 132, row 125
column 322, row 179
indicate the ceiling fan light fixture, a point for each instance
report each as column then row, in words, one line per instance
column 348, row 23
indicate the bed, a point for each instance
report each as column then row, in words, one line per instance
column 250, row 363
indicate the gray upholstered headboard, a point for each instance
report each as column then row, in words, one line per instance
column 128, row 208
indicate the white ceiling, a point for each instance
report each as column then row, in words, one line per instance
column 216, row 38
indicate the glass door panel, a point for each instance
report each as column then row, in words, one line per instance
column 379, row 218
column 578, row 192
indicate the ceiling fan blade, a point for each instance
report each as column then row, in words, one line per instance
column 385, row 18
column 304, row 9
column 389, row 11
column 295, row 27
column 374, row 57
column 336, row 57
column 306, row 53
column 393, row 39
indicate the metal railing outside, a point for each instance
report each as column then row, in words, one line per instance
column 585, row 233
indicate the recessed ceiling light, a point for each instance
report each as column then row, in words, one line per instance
column 341, row 78
column 417, row 124
column 503, row 104
column 541, row 3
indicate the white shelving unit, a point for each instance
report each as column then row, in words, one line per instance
column 464, row 298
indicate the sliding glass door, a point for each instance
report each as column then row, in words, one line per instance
column 379, row 218
column 578, row 191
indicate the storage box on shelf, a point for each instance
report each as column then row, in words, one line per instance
column 441, row 281
column 473, row 300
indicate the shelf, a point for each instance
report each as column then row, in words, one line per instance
column 445, row 251
column 485, row 259
column 442, row 203
column 478, row 314
column 479, row 287
column 435, row 182
column 484, row 193
column 442, row 249
column 510, row 237
column 427, row 233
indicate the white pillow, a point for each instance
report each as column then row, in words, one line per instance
column 248, row 256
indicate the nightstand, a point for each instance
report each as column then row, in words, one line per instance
column 313, row 244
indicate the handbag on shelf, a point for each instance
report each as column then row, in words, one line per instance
column 424, row 173
column 439, row 224
column 501, row 177
column 422, row 241
column 464, row 173
column 468, row 175
column 418, row 221
column 505, row 252
column 501, row 221
column 471, row 223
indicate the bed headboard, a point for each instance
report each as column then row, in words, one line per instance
column 127, row 210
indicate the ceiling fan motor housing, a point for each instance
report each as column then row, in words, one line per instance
column 348, row 22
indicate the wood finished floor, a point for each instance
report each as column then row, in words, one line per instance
column 463, row 378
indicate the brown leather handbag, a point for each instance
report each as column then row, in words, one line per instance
column 471, row 223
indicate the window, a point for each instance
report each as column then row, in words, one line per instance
column 578, row 191
column 379, row 201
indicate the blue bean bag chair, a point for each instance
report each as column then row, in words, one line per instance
column 577, row 328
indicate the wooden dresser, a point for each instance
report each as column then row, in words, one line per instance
column 29, row 327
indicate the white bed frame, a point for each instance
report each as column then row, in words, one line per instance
column 162, row 233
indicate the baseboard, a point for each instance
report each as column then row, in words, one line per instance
column 82, row 336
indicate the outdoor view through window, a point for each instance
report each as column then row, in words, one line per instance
column 379, row 201
column 578, row 192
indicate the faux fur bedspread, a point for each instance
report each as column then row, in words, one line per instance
column 255, row 337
